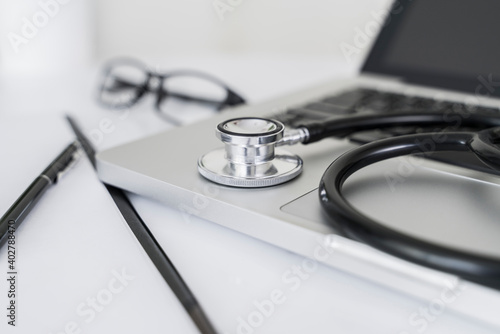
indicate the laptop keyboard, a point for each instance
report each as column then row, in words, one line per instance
column 370, row 101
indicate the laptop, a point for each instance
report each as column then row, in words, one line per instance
column 429, row 54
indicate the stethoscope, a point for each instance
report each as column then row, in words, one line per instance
column 252, row 157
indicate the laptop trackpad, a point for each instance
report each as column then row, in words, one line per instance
column 439, row 207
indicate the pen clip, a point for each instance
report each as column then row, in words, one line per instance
column 63, row 162
column 75, row 157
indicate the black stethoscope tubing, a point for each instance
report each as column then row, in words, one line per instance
column 341, row 127
column 479, row 268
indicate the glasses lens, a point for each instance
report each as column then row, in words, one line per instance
column 188, row 97
column 123, row 84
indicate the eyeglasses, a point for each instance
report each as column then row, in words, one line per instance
column 126, row 81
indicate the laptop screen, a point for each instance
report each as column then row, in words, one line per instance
column 452, row 44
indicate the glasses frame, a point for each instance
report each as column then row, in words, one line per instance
column 232, row 98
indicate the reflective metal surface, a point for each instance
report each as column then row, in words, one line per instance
column 215, row 167
column 249, row 158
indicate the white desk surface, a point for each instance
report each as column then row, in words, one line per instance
column 74, row 244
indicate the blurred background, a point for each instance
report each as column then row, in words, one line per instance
column 57, row 35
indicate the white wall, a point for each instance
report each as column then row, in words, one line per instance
column 46, row 35
column 71, row 33
column 292, row 27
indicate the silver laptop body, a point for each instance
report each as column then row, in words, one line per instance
column 439, row 202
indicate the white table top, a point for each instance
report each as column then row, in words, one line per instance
column 75, row 246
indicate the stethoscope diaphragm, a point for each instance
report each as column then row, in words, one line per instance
column 250, row 157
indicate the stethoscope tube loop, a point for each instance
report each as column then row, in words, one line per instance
column 478, row 268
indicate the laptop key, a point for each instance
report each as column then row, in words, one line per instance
column 349, row 99
column 328, row 108
column 487, row 110
column 376, row 106
column 426, row 103
column 309, row 113
column 404, row 103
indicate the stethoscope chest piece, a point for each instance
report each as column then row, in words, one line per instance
column 249, row 158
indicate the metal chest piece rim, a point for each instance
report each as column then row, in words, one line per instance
column 249, row 158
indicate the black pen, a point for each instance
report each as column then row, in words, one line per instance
column 23, row 205
column 150, row 244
